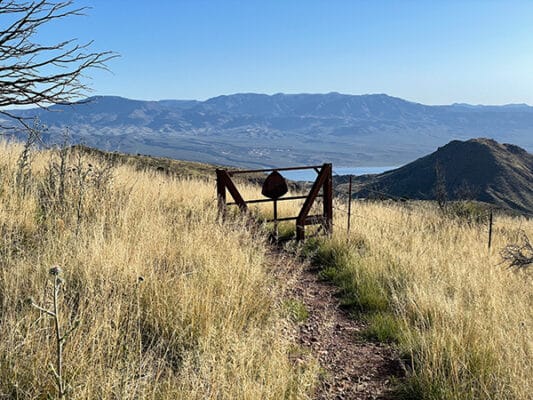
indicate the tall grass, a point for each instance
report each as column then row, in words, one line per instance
column 171, row 302
column 461, row 319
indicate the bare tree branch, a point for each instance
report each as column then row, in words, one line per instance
column 42, row 74
column 519, row 255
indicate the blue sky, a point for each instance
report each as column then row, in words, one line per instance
column 433, row 52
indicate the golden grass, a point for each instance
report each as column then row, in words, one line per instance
column 459, row 316
column 203, row 322
column 465, row 320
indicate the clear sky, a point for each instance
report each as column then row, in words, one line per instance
column 433, row 52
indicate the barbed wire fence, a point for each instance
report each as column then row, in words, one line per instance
column 485, row 220
column 517, row 254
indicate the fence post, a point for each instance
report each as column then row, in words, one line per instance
column 276, row 227
column 221, row 193
column 490, row 229
column 349, row 208
column 327, row 192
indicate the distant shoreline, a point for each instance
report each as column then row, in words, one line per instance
column 307, row 175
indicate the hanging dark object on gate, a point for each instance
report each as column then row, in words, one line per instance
column 274, row 186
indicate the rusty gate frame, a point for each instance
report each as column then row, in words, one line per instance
column 323, row 181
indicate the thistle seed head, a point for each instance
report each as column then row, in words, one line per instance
column 55, row 270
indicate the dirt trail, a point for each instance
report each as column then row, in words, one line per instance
column 353, row 368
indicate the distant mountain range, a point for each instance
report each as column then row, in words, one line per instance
column 482, row 169
column 251, row 130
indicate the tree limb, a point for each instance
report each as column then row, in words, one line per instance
column 42, row 74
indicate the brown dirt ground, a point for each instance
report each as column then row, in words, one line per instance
column 352, row 367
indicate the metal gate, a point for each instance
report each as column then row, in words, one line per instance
column 274, row 190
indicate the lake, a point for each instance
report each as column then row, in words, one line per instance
column 310, row 175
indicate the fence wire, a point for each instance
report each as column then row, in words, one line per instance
column 403, row 202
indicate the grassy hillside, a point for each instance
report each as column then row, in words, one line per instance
column 460, row 318
column 176, row 168
column 159, row 299
column 426, row 282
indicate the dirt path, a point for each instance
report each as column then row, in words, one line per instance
column 353, row 368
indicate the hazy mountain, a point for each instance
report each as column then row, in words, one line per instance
column 256, row 129
column 484, row 169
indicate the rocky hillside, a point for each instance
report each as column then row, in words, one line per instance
column 480, row 169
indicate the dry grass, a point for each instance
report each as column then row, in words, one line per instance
column 464, row 320
column 460, row 317
column 172, row 304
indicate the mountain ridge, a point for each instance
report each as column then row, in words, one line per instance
column 251, row 129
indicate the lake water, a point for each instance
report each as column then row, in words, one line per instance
column 310, row 175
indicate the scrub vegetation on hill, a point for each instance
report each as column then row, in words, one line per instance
column 478, row 169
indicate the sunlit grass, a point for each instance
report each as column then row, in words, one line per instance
column 172, row 302
column 175, row 303
column 461, row 319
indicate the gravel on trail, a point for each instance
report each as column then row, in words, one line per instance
column 353, row 368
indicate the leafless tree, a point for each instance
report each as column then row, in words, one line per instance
column 38, row 74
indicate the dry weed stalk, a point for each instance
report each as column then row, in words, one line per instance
column 34, row 134
column 60, row 337
column 73, row 183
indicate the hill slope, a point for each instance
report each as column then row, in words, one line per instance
column 252, row 129
column 161, row 299
column 482, row 169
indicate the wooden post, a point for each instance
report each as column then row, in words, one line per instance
column 221, row 193
column 328, row 198
column 226, row 181
column 349, row 209
column 490, row 229
column 324, row 181
column 276, row 231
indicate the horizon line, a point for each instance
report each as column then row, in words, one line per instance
column 457, row 103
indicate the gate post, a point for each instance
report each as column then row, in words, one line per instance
column 221, row 193
column 324, row 181
column 327, row 190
